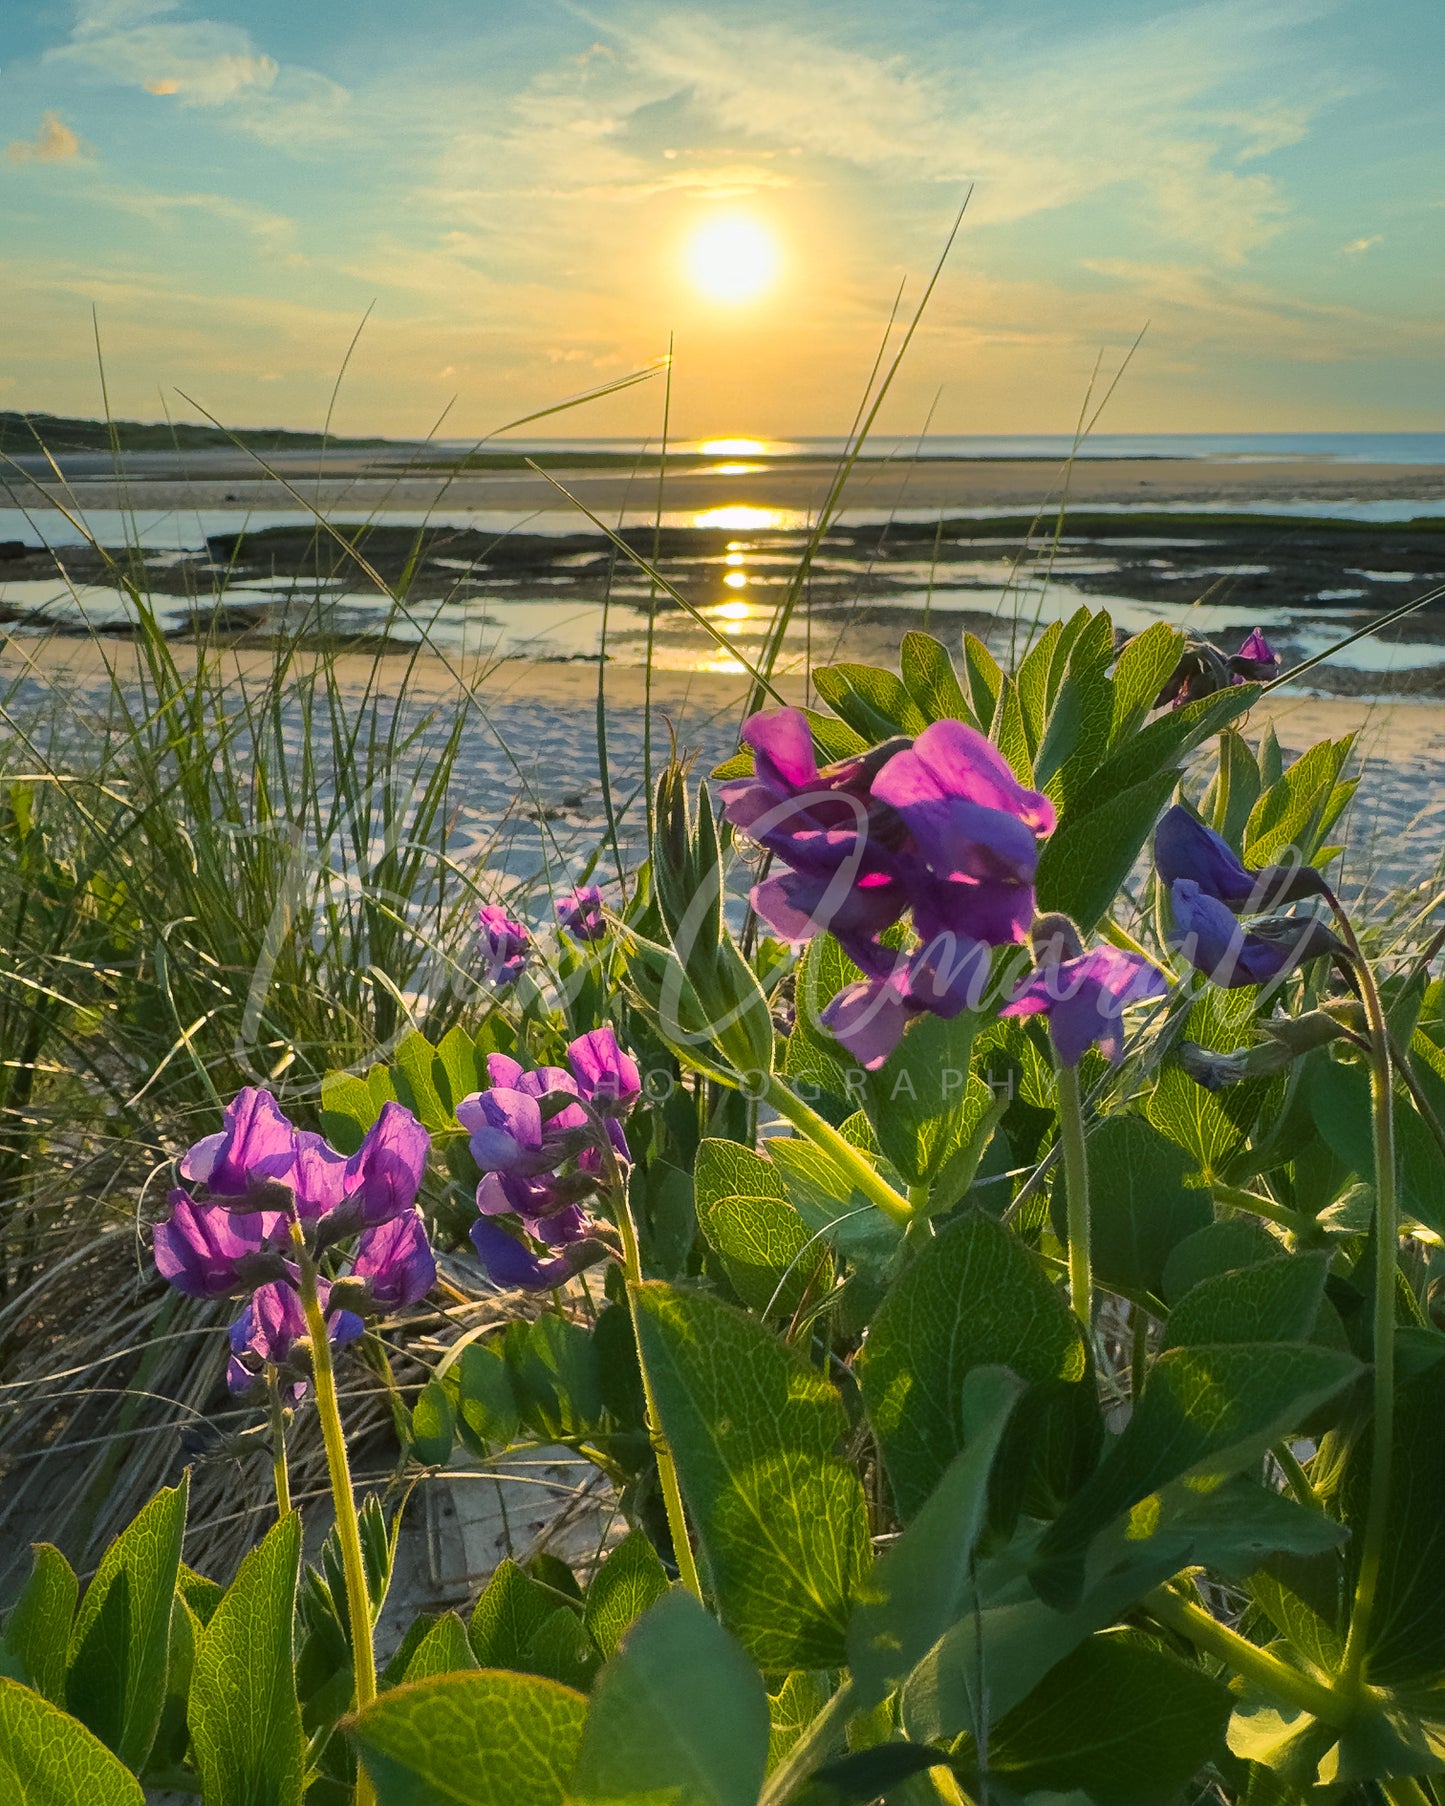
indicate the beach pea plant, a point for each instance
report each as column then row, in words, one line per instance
column 977, row 1196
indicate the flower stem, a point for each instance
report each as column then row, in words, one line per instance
column 1076, row 1187
column 1387, row 1235
column 842, row 1153
column 666, row 1466
column 1247, row 1659
column 279, row 1471
column 348, row 1528
column 1298, row 1221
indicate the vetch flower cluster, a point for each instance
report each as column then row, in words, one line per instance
column 1203, row 669
column 505, row 944
column 542, row 1160
column 938, row 827
column 264, row 1182
column 1084, row 999
column 1210, row 886
column 579, row 913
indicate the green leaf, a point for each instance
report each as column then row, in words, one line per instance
column 486, row 1403
column 813, row 1054
column 1077, row 736
column 1165, row 742
column 1140, row 1205
column 1223, row 1247
column 1339, row 1098
column 679, row 1717
column 116, row 1679
column 244, row 1717
column 1239, row 771
column 433, row 1425
column 556, row 1378
column 984, row 677
column 1194, row 1119
column 507, row 1617
column 1009, row 732
column 1119, row 1720
column 1031, row 678
column 973, row 1297
column 489, row 1739
column 754, row 1432
column 766, row 1252
column 628, row 1582
column 1205, row 1413
column 1088, row 857
column 1407, row 1626
column 918, row 1588
column 48, row 1758
column 824, row 1198
column 443, row 1650
column 348, row 1110
column 465, row 1071
column 1276, row 1301
column 932, row 682
column 920, row 1102
column 202, row 1595
column 872, row 701
column 420, row 1079
column 38, row 1629
column 1142, row 669
column 1291, row 812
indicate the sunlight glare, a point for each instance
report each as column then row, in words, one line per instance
column 732, row 259
column 735, row 579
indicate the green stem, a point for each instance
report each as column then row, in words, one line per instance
column 666, row 1466
column 816, row 1743
column 1267, row 1672
column 841, row 1152
column 1292, row 1468
column 1387, row 1237
column 348, row 1528
column 279, row 1471
column 1297, row 1221
column 1076, row 1187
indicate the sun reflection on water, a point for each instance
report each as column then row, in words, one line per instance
column 742, row 515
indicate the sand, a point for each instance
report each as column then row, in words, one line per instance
column 354, row 484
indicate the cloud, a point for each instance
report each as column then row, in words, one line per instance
column 273, row 232
column 1358, row 246
column 201, row 63
column 55, row 142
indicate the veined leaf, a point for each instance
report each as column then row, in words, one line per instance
column 38, row 1629
column 1205, row 1413
column 1276, row 1301
column 488, row 1739
column 754, row 1432
column 48, row 1758
column 244, row 1717
column 932, row 682
column 678, row 1717
column 1139, row 1201
column 116, row 1679
column 973, row 1297
column 628, row 1582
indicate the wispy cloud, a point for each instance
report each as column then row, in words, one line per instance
column 200, row 63
column 1358, row 246
column 55, row 142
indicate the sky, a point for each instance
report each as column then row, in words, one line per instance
column 493, row 206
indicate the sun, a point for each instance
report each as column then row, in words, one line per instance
column 733, row 259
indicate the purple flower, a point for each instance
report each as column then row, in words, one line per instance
column 542, row 1168
column 580, row 913
column 261, row 1158
column 256, row 1149
column 969, row 817
column 1256, row 661
column 1185, row 848
column 1217, row 945
column 270, row 1327
column 606, row 1076
column 511, row 1264
column 396, row 1261
column 235, row 1244
column 1084, row 1000
column 505, row 943
column 206, row 1251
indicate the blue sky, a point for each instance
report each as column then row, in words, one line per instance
column 512, row 190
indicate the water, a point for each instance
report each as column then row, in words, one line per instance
column 1363, row 448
